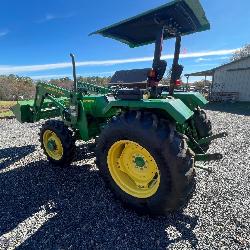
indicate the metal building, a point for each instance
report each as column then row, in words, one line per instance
column 230, row 81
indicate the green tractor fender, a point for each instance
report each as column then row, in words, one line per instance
column 171, row 107
column 191, row 99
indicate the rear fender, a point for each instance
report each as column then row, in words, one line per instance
column 191, row 99
column 174, row 108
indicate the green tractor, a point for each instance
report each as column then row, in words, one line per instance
column 147, row 138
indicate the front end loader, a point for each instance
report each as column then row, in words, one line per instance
column 147, row 140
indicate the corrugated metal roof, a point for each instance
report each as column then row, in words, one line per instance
column 233, row 62
column 210, row 72
column 202, row 73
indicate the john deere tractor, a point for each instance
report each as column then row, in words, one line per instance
column 148, row 138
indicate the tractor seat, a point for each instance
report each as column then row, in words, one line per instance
column 129, row 94
column 130, row 78
column 132, row 82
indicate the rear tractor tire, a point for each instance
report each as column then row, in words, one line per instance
column 146, row 163
column 203, row 126
column 58, row 143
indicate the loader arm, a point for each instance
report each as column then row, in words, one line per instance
column 93, row 88
column 50, row 101
column 61, row 100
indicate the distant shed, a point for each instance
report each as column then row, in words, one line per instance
column 230, row 81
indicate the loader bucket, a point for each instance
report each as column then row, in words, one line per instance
column 23, row 111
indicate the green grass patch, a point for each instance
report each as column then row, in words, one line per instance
column 7, row 103
column 6, row 114
column 5, row 108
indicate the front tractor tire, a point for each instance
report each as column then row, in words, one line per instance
column 58, row 143
column 146, row 163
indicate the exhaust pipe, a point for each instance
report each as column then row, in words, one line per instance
column 74, row 71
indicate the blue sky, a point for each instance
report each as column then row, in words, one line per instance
column 36, row 37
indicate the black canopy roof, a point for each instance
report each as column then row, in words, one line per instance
column 179, row 16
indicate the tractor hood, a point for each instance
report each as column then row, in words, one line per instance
column 186, row 16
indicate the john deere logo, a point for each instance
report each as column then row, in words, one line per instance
column 89, row 101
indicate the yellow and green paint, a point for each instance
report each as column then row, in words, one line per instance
column 133, row 168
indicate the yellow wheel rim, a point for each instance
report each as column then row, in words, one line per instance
column 133, row 169
column 52, row 145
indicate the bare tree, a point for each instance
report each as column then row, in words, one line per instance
column 13, row 86
column 241, row 53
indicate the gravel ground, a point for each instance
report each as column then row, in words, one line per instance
column 43, row 207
